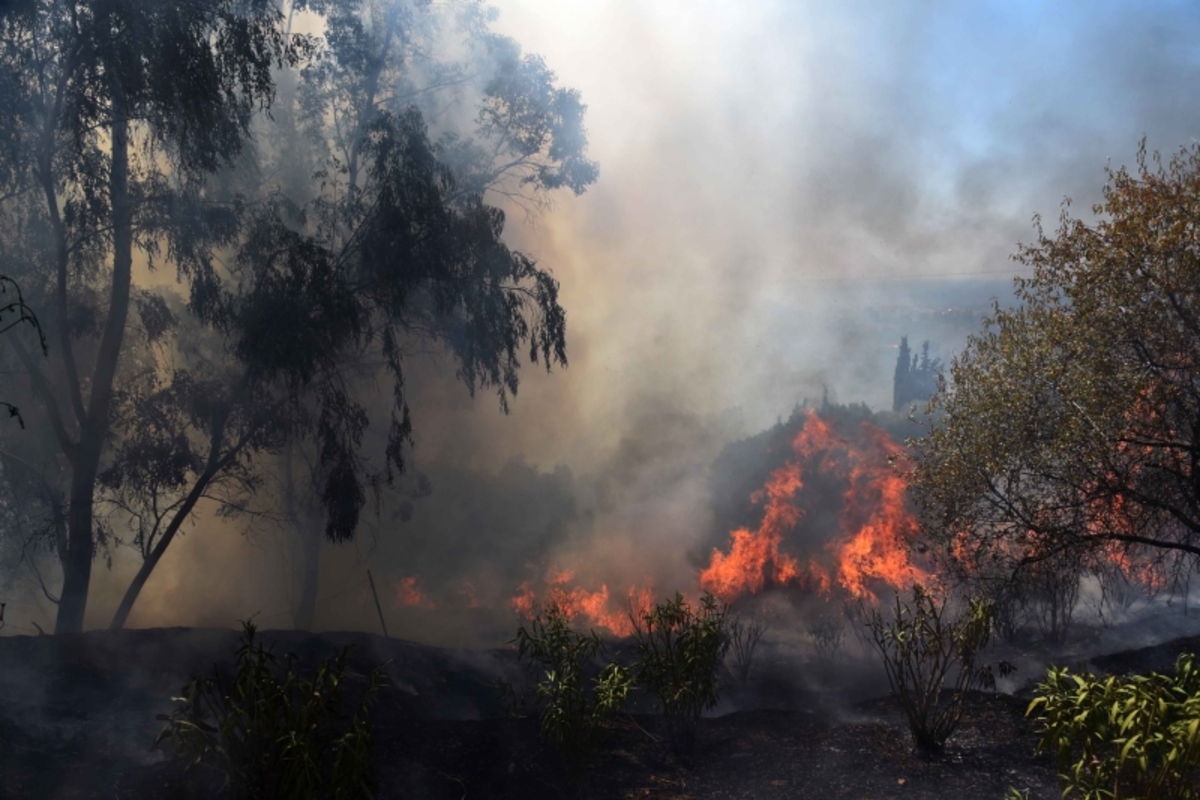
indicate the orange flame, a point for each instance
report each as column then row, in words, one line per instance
column 875, row 523
column 411, row 595
column 583, row 607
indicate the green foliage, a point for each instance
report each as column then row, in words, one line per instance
column 573, row 718
column 273, row 734
column 679, row 650
column 348, row 235
column 1069, row 426
column 923, row 651
column 1123, row 738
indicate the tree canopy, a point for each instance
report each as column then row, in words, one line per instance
column 319, row 237
column 1069, row 428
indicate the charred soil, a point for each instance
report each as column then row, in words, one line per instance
column 78, row 717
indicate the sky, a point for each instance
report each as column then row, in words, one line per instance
column 772, row 172
column 786, row 188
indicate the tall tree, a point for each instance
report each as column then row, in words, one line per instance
column 138, row 117
column 499, row 124
column 115, row 112
column 1071, row 425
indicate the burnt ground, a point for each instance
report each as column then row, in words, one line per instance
column 77, row 717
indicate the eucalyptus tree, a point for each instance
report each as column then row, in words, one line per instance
column 1071, row 424
column 381, row 251
column 499, row 125
column 129, row 129
column 114, row 113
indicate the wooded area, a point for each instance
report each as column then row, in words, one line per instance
column 321, row 201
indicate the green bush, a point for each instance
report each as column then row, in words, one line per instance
column 573, row 719
column 679, row 651
column 923, row 651
column 1123, row 738
column 273, row 734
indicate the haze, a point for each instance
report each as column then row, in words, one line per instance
column 772, row 175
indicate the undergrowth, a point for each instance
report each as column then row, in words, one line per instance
column 270, row 733
column 1123, row 738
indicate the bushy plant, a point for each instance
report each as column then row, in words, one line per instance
column 679, row 650
column 1135, row 738
column 744, row 636
column 574, row 711
column 271, row 733
column 931, row 661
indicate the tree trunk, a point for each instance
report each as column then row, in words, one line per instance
column 308, row 533
column 214, row 465
column 151, row 561
column 77, row 561
column 306, row 609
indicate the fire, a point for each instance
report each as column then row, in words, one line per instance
column 583, row 607
column 754, row 556
column 411, row 595
column 874, row 527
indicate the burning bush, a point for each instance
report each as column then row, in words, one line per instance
column 573, row 719
column 679, row 650
column 1123, row 738
column 922, row 650
column 833, row 519
column 272, row 733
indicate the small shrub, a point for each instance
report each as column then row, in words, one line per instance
column 923, row 652
column 859, row 619
column 573, row 718
column 272, row 734
column 1123, row 738
column 679, row 650
column 827, row 635
column 744, row 637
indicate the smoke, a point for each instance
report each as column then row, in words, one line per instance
column 769, row 170
column 780, row 182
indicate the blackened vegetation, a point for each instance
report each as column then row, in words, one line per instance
column 438, row 729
